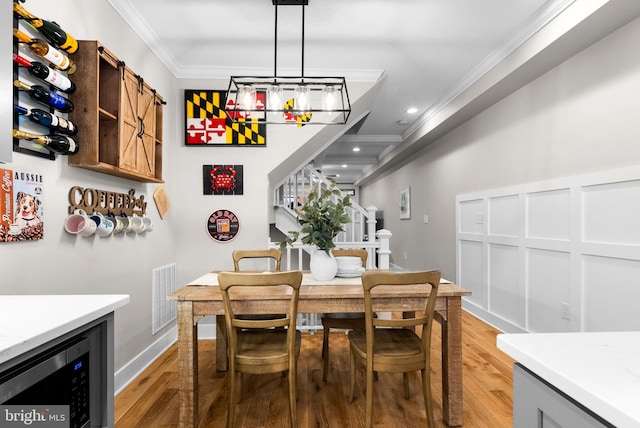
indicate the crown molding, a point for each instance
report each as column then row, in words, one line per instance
column 543, row 17
column 138, row 24
column 148, row 36
column 381, row 139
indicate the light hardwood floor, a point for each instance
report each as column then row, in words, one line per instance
column 151, row 400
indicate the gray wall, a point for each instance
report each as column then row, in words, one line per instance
column 63, row 264
column 578, row 118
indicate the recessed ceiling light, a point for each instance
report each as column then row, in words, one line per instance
column 412, row 110
column 402, row 122
column 356, row 149
column 344, row 165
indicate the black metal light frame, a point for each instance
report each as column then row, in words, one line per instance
column 260, row 110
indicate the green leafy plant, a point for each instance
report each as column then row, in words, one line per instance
column 322, row 216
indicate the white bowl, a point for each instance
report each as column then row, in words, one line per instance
column 348, row 262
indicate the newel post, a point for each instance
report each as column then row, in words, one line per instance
column 383, row 253
column 371, row 222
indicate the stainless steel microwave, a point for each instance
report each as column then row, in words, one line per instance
column 58, row 377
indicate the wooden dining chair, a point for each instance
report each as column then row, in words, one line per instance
column 347, row 321
column 272, row 255
column 265, row 345
column 391, row 345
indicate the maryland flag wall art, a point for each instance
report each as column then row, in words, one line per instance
column 207, row 123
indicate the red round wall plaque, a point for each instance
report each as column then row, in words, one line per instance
column 223, row 226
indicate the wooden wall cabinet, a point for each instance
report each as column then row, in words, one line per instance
column 119, row 117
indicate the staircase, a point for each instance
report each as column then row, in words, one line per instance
column 359, row 233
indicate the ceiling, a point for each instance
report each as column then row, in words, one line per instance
column 427, row 51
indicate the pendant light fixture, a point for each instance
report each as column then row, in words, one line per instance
column 300, row 100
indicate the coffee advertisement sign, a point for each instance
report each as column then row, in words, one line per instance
column 223, row 225
column 21, row 206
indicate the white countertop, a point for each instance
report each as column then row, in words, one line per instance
column 599, row 370
column 27, row 322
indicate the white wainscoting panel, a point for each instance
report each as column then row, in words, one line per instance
column 503, row 216
column 472, row 274
column 549, row 214
column 612, row 213
column 553, row 256
column 468, row 216
column 504, row 296
column 548, row 282
column 611, row 289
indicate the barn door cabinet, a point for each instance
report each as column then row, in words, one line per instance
column 119, row 117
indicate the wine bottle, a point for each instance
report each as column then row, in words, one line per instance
column 47, row 74
column 41, row 48
column 56, row 143
column 49, row 30
column 45, row 96
column 44, row 118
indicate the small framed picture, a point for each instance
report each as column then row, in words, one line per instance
column 405, row 203
column 222, row 179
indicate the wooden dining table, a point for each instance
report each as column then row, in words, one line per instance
column 202, row 297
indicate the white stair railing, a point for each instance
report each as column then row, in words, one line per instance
column 292, row 191
column 359, row 233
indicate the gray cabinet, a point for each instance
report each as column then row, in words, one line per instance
column 538, row 404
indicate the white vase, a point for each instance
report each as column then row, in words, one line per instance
column 323, row 266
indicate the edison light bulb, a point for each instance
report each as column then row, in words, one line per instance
column 302, row 98
column 274, row 97
column 247, row 97
column 329, row 98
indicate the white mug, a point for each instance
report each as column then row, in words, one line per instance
column 104, row 226
column 126, row 223
column 136, row 223
column 79, row 223
column 118, row 225
column 148, row 223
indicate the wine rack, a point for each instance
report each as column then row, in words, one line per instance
column 23, row 99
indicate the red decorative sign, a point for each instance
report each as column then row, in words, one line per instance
column 223, row 226
column 222, row 179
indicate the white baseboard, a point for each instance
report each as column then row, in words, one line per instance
column 133, row 368
column 207, row 330
column 493, row 320
column 139, row 363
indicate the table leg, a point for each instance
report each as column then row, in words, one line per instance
column 222, row 361
column 187, row 365
column 452, row 363
column 411, row 314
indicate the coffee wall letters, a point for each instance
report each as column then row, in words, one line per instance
column 105, row 202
